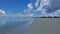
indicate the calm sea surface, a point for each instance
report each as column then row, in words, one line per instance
column 14, row 25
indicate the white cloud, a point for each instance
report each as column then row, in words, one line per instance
column 42, row 4
column 2, row 12
column 57, row 13
column 30, row 6
column 31, row 15
column 27, row 10
column 31, row 11
column 37, row 3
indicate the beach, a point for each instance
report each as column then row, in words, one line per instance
column 45, row 26
column 37, row 26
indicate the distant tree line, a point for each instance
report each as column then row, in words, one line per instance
column 49, row 17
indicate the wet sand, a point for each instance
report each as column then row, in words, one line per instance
column 45, row 26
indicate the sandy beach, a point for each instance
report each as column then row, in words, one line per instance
column 45, row 26
column 38, row 26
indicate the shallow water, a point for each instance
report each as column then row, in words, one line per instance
column 9, row 24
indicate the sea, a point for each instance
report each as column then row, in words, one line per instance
column 13, row 25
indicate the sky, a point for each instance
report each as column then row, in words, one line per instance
column 27, row 7
column 14, row 6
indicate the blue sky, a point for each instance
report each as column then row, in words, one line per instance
column 27, row 7
column 14, row 6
